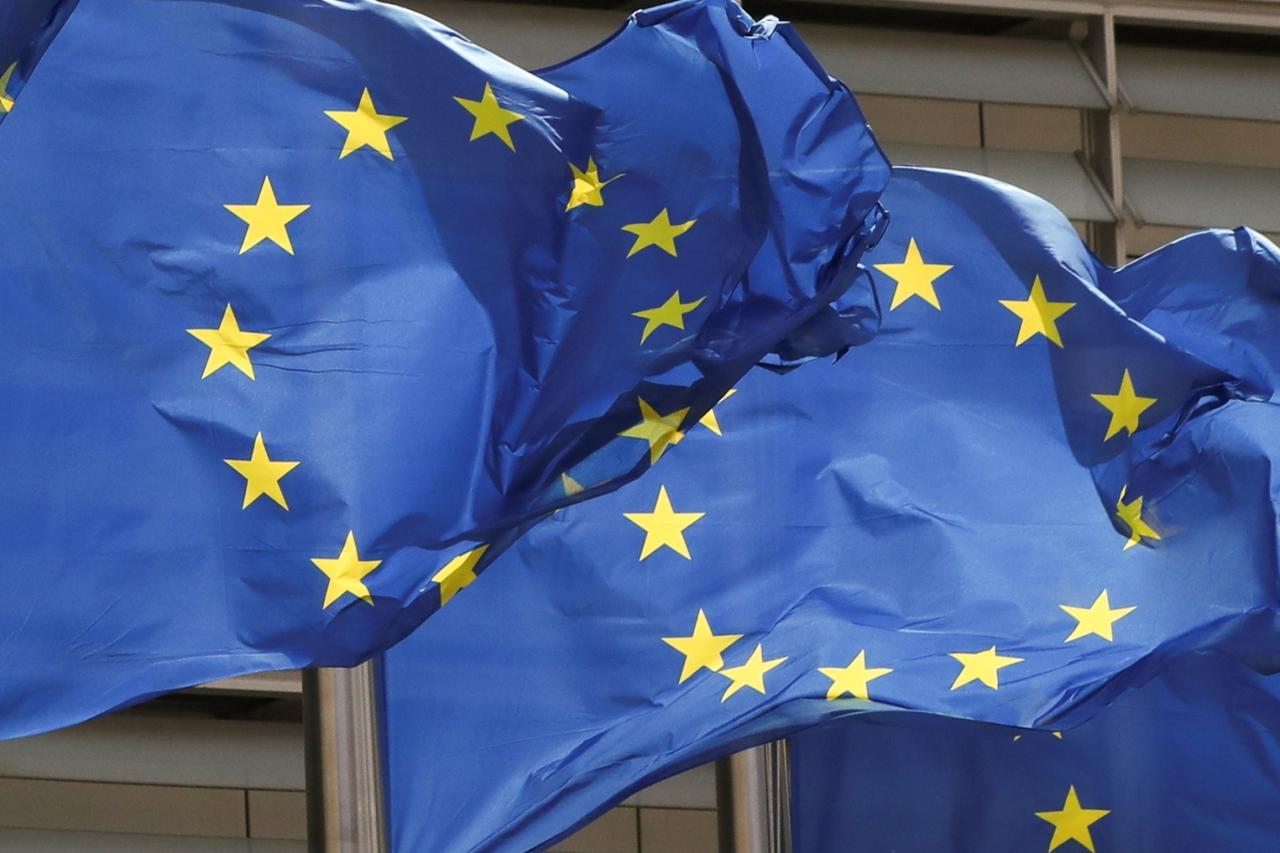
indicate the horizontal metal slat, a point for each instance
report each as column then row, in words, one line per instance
column 1200, row 82
column 1203, row 195
column 1056, row 177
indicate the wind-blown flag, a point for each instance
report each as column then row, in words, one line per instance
column 1188, row 761
column 1015, row 502
column 302, row 301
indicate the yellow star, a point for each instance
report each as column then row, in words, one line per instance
column 571, row 486
column 262, row 474
column 228, row 345
column 587, row 186
column 365, row 126
column 982, row 666
column 914, row 277
column 1039, row 316
column 669, row 313
column 490, row 117
column 657, row 232
column 6, row 100
column 709, row 420
column 664, row 526
column 1097, row 618
column 750, row 674
column 346, row 572
column 661, row 431
column 1125, row 407
column 267, row 219
column 852, row 679
column 458, row 573
column 1130, row 515
column 1072, row 822
column 702, row 649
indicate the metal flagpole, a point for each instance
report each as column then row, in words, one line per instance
column 345, row 806
column 753, row 798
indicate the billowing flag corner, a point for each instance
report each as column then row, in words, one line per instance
column 293, row 337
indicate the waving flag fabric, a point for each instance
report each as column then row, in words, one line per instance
column 1018, row 500
column 303, row 301
column 1189, row 761
column 26, row 30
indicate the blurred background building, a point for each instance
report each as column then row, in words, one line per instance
column 1141, row 120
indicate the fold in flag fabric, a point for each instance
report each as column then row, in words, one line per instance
column 26, row 30
column 1018, row 500
column 1188, row 761
column 302, row 301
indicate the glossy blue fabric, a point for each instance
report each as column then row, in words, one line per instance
column 446, row 337
column 940, row 490
column 1188, row 761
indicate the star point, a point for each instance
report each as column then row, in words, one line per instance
column 6, row 100
column 346, row 573
column 670, row 313
column 1039, row 316
column 703, row 649
column 1125, row 406
column 587, row 186
column 365, row 126
column 658, row 232
column 1130, row 515
column 267, row 219
column 750, row 674
column 1098, row 618
column 914, row 277
column 664, row 527
column 1072, row 822
column 228, row 344
column 983, row 666
column 709, row 420
column 458, row 573
column 490, row 117
column 852, row 679
column 262, row 474
column 660, row 431
column 571, row 486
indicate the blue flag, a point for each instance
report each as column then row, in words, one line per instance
column 1018, row 500
column 1189, row 761
column 304, row 301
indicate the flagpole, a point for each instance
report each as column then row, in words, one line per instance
column 753, row 794
column 345, row 806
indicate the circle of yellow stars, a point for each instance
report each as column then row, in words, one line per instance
column 269, row 220
column 1095, row 620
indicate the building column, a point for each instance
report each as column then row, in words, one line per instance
column 1103, row 158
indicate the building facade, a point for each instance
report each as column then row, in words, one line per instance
column 1140, row 120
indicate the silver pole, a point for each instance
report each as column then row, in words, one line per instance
column 754, row 799
column 345, row 808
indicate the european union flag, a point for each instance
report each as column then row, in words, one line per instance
column 304, row 301
column 1188, row 761
column 1018, row 500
